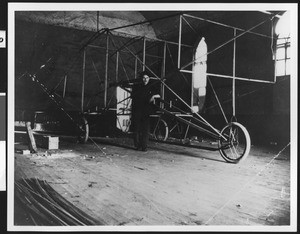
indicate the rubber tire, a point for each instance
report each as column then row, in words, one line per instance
column 83, row 134
column 232, row 145
column 159, row 126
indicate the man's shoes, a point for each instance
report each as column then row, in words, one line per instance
column 144, row 149
column 141, row 148
column 138, row 147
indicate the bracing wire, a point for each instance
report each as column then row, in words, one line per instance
column 218, row 101
column 227, row 42
column 243, row 95
column 122, row 63
column 34, row 79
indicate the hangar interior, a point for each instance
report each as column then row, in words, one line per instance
column 73, row 139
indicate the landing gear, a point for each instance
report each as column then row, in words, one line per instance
column 160, row 130
column 236, row 145
column 83, row 129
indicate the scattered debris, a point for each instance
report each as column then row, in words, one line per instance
column 192, row 214
column 269, row 214
column 91, row 183
column 122, row 223
column 198, row 222
column 60, row 182
column 46, row 154
column 283, row 193
column 183, row 223
column 194, row 138
column 186, row 141
column 134, row 220
column 140, row 168
column 25, row 152
column 88, row 157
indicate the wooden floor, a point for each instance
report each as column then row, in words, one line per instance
column 167, row 185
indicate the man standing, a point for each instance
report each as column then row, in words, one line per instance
column 143, row 95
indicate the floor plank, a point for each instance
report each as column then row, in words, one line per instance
column 168, row 185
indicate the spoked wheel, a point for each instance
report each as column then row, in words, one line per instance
column 236, row 145
column 83, row 129
column 160, row 130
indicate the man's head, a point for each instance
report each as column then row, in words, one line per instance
column 146, row 79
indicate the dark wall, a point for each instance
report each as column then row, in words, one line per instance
column 55, row 47
column 61, row 50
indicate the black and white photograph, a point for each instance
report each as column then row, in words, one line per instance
column 152, row 117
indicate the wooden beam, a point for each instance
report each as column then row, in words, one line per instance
column 32, row 144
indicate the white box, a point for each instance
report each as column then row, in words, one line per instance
column 52, row 142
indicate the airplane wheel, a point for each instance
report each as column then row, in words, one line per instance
column 236, row 145
column 83, row 130
column 160, row 131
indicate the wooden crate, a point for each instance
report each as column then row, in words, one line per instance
column 47, row 142
column 52, row 142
